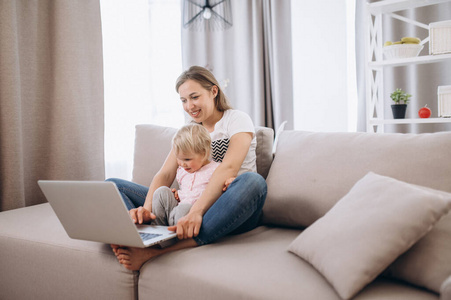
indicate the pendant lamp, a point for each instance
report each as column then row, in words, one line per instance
column 207, row 14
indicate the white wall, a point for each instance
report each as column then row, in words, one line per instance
column 322, row 101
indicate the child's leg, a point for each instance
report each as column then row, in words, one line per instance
column 163, row 203
column 178, row 212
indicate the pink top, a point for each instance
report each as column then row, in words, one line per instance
column 191, row 185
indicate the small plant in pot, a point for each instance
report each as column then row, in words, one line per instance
column 401, row 100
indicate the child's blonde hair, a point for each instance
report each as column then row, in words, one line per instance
column 192, row 138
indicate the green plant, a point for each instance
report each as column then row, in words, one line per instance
column 400, row 97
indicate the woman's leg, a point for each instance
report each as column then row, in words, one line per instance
column 237, row 210
column 133, row 194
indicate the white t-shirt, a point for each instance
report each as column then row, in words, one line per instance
column 233, row 122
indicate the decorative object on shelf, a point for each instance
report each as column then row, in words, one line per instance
column 405, row 48
column 379, row 17
column 444, row 101
column 401, row 100
column 207, row 14
column 440, row 37
column 424, row 112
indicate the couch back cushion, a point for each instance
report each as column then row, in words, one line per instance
column 312, row 171
column 153, row 143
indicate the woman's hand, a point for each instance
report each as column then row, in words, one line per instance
column 188, row 226
column 141, row 215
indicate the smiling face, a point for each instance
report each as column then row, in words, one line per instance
column 199, row 103
column 191, row 162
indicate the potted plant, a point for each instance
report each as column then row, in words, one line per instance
column 401, row 100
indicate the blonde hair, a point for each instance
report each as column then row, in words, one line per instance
column 207, row 80
column 192, row 138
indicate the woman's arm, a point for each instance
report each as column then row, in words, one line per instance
column 189, row 226
column 164, row 177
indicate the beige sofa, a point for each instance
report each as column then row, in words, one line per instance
column 313, row 178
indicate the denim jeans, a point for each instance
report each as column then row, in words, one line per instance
column 237, row 210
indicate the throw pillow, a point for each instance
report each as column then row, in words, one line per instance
column 379, row 219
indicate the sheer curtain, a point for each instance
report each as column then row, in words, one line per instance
column 142, row 60
column 253, row 57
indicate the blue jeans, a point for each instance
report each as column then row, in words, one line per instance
column 237, row 210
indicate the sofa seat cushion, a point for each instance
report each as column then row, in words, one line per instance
column 254, row 265
column 39, row 261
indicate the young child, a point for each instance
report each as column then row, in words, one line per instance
column 192, row 147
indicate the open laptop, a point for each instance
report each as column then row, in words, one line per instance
column 94, row 211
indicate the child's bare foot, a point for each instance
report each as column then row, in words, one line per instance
column 133, row 258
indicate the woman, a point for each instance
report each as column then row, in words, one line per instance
column 216, row 213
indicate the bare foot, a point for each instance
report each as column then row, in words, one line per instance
column 133, row 258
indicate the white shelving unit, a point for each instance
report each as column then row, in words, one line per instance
column 376, row 65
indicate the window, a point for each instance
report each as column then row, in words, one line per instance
column 324, row 82
column 142, row 60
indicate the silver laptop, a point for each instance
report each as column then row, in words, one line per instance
column 94, row 211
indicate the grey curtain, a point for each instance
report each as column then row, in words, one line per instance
column 252, row 58
column 419, row 80
column 51, row 96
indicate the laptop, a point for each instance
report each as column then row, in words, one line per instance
column 94, row 211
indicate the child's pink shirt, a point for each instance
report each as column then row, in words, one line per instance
column 191, row 185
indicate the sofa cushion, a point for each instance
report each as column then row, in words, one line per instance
column 312, row 171
column 153, row 143
column 379, row 219
column 445, row 290
column 39, row 261
column 253, row 265
column 265, row 140
column 428, row 262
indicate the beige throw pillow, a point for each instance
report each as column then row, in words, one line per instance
column 379, row 219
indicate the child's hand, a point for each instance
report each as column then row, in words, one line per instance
column 227, row 183
column 176, row 194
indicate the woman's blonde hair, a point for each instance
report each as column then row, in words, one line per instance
column 192, row 138
column 207, row 80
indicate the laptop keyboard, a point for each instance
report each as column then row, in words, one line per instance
column 147, row 236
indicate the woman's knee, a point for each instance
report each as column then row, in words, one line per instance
column 118, row 182
column 252, row 181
